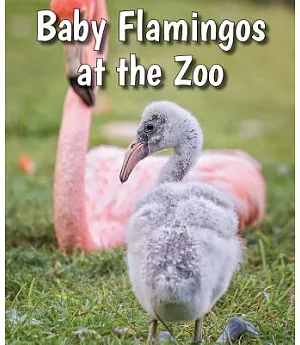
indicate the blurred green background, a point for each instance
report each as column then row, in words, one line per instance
column 254, row 112
column 260, row 87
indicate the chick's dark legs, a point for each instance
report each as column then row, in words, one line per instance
column 152, row 331
column 198, row 331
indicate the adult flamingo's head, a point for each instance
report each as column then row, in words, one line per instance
column 76, row 54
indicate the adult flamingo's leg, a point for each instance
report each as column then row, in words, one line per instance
column 69, row 189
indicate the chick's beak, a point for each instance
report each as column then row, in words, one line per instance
column 135, row 153
column 73, row 60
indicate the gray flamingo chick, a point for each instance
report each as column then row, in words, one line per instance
column 182, row 242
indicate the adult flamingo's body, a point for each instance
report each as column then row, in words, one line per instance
column 91, row 206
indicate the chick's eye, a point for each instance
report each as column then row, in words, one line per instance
column 149, row 127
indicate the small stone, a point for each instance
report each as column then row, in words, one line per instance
column 165, row 338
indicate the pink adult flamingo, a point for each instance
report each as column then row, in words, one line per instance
column 91, row 206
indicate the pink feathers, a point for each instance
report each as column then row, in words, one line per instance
column 108, row 204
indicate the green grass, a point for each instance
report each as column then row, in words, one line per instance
column 53, row 299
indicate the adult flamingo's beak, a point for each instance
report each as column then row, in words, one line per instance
column 135, row 153
column 73, row 53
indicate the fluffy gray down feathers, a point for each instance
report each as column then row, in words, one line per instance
column 182, row 250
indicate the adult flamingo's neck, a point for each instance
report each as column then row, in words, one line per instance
column 70, row 219
column 69, row 191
